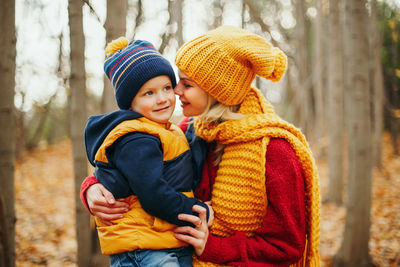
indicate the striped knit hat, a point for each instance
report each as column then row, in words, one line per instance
column 225, row 61
column 129, row 65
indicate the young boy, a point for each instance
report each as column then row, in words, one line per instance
column 142, row 158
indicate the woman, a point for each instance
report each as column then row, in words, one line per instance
column 258, row 170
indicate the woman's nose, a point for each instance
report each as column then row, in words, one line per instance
column 178, row 89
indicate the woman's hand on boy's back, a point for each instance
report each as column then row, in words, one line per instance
column 197, row 237
column 103, row 205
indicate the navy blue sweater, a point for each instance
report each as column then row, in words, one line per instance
column 136, row 167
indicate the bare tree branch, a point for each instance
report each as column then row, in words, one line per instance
column 139, row 16
column 166, row 37
column 256, row 16
column 92, row 11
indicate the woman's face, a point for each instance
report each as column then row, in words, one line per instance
column 194, row 100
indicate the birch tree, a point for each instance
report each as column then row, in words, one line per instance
column 7, row 140
column 354, row 247
column 78, row 121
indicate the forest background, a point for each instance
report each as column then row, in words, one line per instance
column 341, row 89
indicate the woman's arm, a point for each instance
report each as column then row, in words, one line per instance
column 88, row 182
column 197, row 236
column 100, row 202
column 280, row 240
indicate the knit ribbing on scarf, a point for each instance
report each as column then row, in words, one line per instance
column 239, row 195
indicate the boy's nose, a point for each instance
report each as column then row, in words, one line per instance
column 161, row 97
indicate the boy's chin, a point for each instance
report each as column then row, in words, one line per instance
column 162, row 119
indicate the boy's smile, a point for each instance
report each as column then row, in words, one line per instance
column 155, row 99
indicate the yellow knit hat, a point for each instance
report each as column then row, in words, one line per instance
column 225, row 61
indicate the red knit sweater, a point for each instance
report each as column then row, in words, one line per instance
column 281, row 238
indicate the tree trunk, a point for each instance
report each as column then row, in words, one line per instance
column 377, row 87
column 174, row 25
column 115, row 27
column 302, row 62
column 78, row 121
column 20, row 134
column 166, row 37
column 354, row 247
column 177, row 7
column 319, row 74
column 43, row 113
column 395, row 120
column 335, row 105
column 243, row 14
column 7, row 136
column 139, row 17
column 218, row 8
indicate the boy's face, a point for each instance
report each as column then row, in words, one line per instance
column 155, row 99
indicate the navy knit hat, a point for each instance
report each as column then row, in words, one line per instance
column 129, row 65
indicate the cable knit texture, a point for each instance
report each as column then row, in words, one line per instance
column 238, row 196
column 227, row 59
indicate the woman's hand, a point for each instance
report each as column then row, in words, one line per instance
column 197, row 237
column 103, row 205
column 211, row 215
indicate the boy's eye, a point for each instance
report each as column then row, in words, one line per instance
column 148, row 93
column 187, row 85
column 166, row 88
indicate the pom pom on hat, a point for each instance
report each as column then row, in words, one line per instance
column 280, row 65
column 225, row 61
column 129, row 65
column 116, row 45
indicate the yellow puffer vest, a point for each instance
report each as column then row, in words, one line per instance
column 138, row 229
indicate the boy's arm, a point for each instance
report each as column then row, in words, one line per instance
column 140, row 160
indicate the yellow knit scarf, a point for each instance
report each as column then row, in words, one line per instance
column 239, row 197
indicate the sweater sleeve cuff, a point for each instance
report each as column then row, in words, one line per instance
column 90, row 180
column 224, row 250
column 183, row 124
